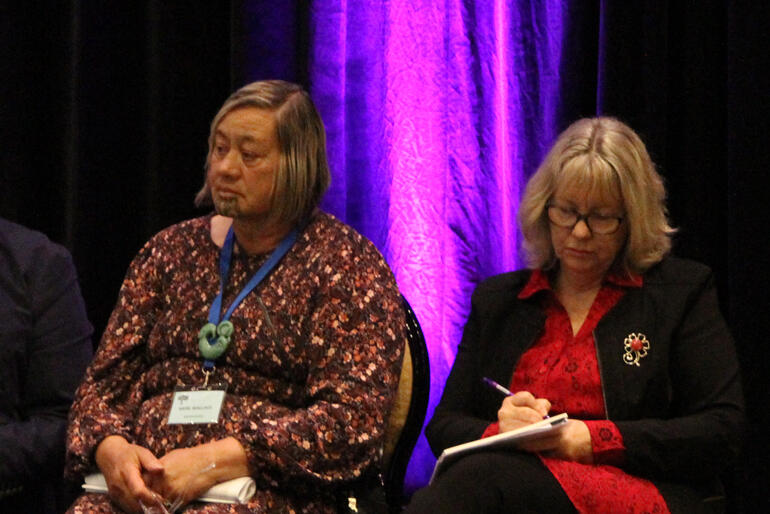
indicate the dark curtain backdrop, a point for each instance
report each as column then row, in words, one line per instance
column 105, row 109
column 105, row 113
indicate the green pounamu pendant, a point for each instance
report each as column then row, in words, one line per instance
column 223, row 331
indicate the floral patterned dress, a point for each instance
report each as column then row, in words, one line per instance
column 311, row 369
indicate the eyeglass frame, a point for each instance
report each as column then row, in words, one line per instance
column 583, row 217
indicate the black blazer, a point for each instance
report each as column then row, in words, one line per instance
column 680, row 411
column 45, row 346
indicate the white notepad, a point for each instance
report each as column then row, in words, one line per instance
column 237, row 490
column 510, row 439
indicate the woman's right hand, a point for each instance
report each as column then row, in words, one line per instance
column 521, row 409
column 122, row 464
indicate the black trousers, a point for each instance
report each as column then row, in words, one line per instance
column 492, row 482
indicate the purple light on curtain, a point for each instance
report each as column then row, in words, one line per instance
column 436, row 112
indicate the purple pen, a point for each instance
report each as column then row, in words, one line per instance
column 494, row 385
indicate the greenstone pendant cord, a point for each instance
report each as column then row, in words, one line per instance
column 215, row 335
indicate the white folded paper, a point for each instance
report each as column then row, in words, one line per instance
column 237, row 490
column 505, row 440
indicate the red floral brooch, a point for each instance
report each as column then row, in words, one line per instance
column 636, row 346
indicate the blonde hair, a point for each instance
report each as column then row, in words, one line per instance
column 303, row 172
column 602, row 156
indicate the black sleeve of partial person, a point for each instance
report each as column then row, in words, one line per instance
column 452, row 422
column 704, row 432
column 58, row 351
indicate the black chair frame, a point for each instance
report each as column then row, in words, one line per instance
column 393, row 476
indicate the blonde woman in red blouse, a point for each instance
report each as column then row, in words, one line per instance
column 604, row 326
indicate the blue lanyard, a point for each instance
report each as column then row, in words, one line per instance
column 225, row 259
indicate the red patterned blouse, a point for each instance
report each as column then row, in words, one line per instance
column 563, row 367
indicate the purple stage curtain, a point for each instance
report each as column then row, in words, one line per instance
column 436, row 113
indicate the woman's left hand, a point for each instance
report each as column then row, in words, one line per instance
column 573, row 443
column 187, row 474
column 190, row 472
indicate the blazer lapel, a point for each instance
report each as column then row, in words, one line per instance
column 517, row 330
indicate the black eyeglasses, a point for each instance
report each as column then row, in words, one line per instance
column 597, row 223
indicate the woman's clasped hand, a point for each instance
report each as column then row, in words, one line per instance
column 137, row 480
column 127, row 469
column 573, row 442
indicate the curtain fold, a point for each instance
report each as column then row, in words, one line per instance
column 436, row 112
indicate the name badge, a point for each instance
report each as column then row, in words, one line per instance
column 197, row 405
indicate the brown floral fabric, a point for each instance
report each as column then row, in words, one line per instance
column 311, row 368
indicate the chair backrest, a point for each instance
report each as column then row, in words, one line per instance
column 408, row 414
